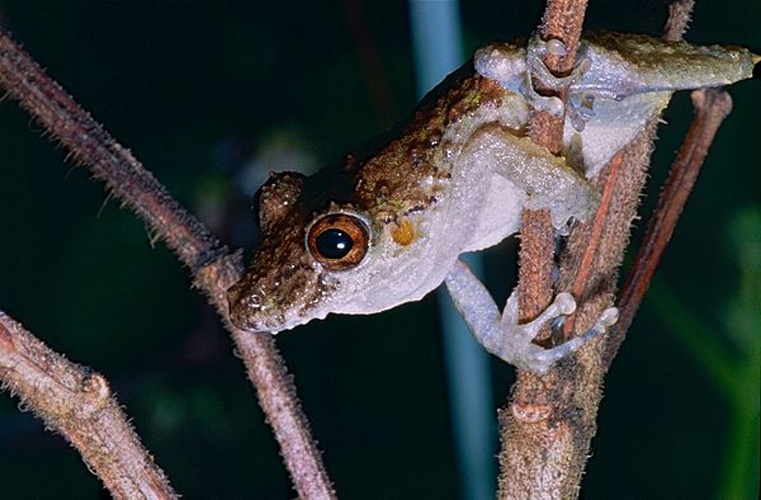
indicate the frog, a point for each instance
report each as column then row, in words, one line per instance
column 387, row 226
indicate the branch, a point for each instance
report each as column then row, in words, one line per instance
column 78, row 403
column 213, row 267
column 532, row 441
column 563, row 21
column 550, row 421
column 711, row 107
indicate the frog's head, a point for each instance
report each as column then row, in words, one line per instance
column 298, row 270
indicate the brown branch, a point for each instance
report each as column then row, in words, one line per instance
column 563, row 20
column 548, row 426
column 535, row 438
column 213, row 266
column 711, row 107
column 78, row 403
column 551, row 421
column 589, row 267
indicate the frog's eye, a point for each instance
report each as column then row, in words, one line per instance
column 338, row 241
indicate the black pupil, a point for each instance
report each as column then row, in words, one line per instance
column 334, row 244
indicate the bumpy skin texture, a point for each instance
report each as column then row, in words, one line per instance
column 458, row 176
column 455, row 179
column 619, row 83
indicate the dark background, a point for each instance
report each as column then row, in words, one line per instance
column 198, row 89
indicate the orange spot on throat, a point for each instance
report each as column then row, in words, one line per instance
column 403, row 232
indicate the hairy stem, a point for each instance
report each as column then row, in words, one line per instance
column 78, row 403
column 537, row 459
column 214, row 268
column 548, row 426
column 711, row 107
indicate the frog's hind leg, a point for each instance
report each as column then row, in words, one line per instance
column 501, row 335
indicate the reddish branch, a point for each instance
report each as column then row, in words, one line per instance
column 534, row 438
column 711, row 107
column 563, row 20
column 214, row 268
column 547, row 428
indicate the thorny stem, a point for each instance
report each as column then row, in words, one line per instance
column 79, row 403
column 563, row 20
column 710, row 110
column 680, row 12
column 534, row 439
column 213, row 266
column 711, row 107
column 547, row 428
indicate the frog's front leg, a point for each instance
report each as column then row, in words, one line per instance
column 538, row 49
column 501, row 335
column 531, row 168
column 580, row 106
column 516, row 68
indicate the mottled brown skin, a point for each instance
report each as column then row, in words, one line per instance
column 402, row 177
column 389, row 184
column 281, row 252
column 388, row 226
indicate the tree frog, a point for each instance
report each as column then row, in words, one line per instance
column 387, row 227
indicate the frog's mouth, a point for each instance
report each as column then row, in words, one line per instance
column 272, row 299
column 252, row 312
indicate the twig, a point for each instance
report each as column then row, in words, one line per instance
column 538, row 457
column 563, row 20
column 214, row 268
column 680, row 15
column 78, row 402
column 551, row 420
column 711, row 107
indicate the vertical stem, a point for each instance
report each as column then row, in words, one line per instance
column 539, row 457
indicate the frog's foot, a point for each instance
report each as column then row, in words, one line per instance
column 517, row 347
column 501, row 334
column 516, row 69
column 580, row 109
column 537, row 49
